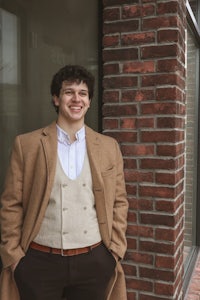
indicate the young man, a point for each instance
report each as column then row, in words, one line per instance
column 64, row 207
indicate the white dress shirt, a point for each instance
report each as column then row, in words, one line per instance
column 71, row 155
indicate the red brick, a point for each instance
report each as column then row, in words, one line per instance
column 155, row 247
column 170, row 65
column 164, row 262
column 171, row 122
column 139, row 67
column 131, row 11
column 128, row 123
column 168, row 35
column 119, row 110
column 132, row 243
column 158, row 22
column 138, row 95
column 120, row 54
column 143, row 285
column 131, row 295
column 164, row 289
column 170, row 150
column 131, row 189
column 159, row 51
column 110, row 96
column 130, row 163
column 130, row 270
column 164, row 234
column 120, row 26
column 157, row 219
column 162, row 136
column 169, row 7
column 148, row 10
column 156, row 274
column 139, row 150
column 169, row 205
column 111, row 123
column 111, row 40
column 120, row 82
column 169, row 93
column 138, row 176
column 111, row 69
column 169, row 178
column 137, row 38
column 131, row 218
column 111, row 14
column 140, row 258
column 144, row 204
column 159, row 108
column 158, row 163
column 146, row 123
column 153, row 191
column 162, row 79
column 121, row 136
column 142, row 231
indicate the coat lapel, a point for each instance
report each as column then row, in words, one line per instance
column 49, row 142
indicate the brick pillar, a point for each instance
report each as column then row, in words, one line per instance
column 144, row 109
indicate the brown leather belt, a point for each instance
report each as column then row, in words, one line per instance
column 63, row 252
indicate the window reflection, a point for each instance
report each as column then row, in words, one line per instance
column 194, row 7
column 38, row 38
column 9, row 48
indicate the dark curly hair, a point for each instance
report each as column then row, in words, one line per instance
column 71, row 73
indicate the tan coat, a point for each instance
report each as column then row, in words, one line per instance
column 27, row 189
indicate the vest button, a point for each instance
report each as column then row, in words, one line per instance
column 65, row 232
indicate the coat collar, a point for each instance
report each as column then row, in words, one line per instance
column 49, row 141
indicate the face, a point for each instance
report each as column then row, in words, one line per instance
column 73, row 102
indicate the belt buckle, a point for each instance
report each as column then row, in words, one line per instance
column 62, row 252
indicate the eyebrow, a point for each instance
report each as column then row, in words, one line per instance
column 71, row 89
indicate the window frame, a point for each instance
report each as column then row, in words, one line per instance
column 192, row 23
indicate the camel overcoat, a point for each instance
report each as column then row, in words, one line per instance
column 27, row 190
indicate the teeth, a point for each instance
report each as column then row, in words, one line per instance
column 76, row 108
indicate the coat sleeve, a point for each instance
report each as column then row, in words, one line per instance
column 118, row 238
column 11, row 214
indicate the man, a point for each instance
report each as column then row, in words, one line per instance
column 64, row 207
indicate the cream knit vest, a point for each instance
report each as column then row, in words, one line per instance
column 70, row 220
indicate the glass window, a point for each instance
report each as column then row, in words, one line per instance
column 36, row 39
column 191, row 144
column 194, row 7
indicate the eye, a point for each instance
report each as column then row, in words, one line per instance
column 68, row 92
column 83, row 93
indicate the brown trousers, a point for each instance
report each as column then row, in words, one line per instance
column 46, row 276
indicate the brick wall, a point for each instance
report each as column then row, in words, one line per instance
column 144, row 109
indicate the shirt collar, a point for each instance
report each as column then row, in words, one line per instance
column 63, row 136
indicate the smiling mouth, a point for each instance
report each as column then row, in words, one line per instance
column 76, row 108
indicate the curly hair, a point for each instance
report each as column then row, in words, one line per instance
column 71, row 73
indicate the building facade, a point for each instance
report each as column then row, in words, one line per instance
column 144, row 54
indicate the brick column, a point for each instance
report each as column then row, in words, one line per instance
column 144, row 109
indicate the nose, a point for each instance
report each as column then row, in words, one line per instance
column 76, row 97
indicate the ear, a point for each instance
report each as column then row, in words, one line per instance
column 56, row 100
column 90, row 100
